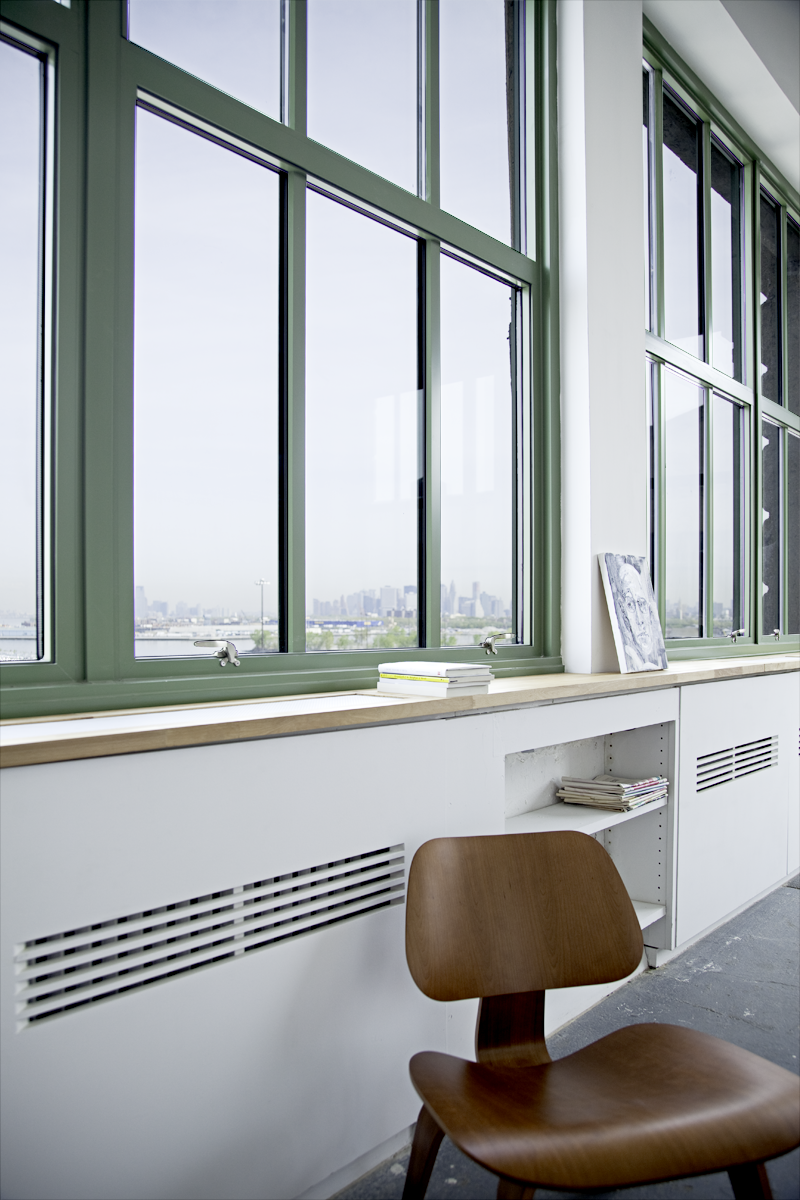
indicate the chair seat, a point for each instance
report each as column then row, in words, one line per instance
column 646, row 1103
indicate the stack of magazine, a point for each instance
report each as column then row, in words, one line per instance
column 435, row 679
column 614, row 792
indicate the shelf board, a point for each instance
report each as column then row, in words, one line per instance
column 580, row 817
column 648, row 913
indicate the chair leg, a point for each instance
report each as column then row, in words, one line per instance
column 509, row 1189
column 427, row 1139
column 750, row 1182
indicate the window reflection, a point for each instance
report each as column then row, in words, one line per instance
column 205, row 393
column 726, row 484
column 792, row 533
column 726, row 288
column 682, row 308
column 683, row 454
column 477, row 449
column 20, row 347
column 362, row 83
column 793, row 316
column 475, row 66
column 362, row 408
column 235, row 45
column 771, row 526
column 770, row 301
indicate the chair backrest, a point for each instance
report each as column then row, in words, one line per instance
column 517, row 913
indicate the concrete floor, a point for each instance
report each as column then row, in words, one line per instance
column 739, row 983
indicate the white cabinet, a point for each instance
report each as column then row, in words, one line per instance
column 738, row 753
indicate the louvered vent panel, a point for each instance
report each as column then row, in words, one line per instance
column 69, row 970
column 714, row 769
column 755, row 756
column 723, row 766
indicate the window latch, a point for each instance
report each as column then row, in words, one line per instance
column 776, row 633
column 734, row 633
column 488, row 643
column 224, row 651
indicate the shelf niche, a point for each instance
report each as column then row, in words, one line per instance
column 640, row 842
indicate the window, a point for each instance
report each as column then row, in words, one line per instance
column 721, row 294
column 294, row 389
column 25, row 348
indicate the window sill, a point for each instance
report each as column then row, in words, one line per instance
column 43, row 740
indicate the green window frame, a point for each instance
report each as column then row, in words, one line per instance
column 667, row 71
column 100, row 78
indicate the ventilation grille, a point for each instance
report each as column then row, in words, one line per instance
column 723, row 766
column 69, row 970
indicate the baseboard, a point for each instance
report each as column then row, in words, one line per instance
column 346, row 1176
column 659, row 958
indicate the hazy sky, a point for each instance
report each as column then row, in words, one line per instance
column 19, row 326
column 205, row 370
column 232, row 44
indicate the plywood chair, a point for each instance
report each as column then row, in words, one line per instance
column 504, row 918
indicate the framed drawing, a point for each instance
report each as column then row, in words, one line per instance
column 634, row 616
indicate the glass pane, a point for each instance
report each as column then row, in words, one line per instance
column 362, row 408
column 652, row 515
column 681, row 229
column 793, row 533
column 646, row 192
column 771, row 526
column 770, row 301
column 205, row 394
column 20, row 347
column 793, row 316
column 473, row 114
column 726, row 484
column 234, row 45
column 726, row 287
column 477, row 454
column 362, row 83
column 683, row 457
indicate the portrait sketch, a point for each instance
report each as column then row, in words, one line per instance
column 634, row 616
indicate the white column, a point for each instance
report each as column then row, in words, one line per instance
column 603, row 413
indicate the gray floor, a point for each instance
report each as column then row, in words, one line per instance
column 739, row 983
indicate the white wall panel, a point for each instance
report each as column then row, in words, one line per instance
column 731, row 838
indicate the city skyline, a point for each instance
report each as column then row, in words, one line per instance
column 385, row 601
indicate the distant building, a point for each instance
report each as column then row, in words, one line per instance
column 140, row 605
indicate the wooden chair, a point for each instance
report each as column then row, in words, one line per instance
column 503, row 918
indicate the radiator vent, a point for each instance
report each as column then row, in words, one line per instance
column 70, row 970
column 714, row 769
column 723, row 766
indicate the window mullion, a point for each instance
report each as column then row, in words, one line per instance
column 293, row 343
column 108, row 375
column 292, row 440
column 756, row 451
column 705, row 242
column 784, row 327
column 295, row 49
column 430, row 39
column 657, row 183
column 430, row 524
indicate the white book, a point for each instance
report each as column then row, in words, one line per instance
column 438, row 689
column 436, row 670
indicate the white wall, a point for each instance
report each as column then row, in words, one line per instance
column 603, row 412
column 714, row 43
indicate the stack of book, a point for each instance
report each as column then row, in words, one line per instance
column 435, row 679
column 614, row 792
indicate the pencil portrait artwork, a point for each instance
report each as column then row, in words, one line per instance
column 634, row 615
